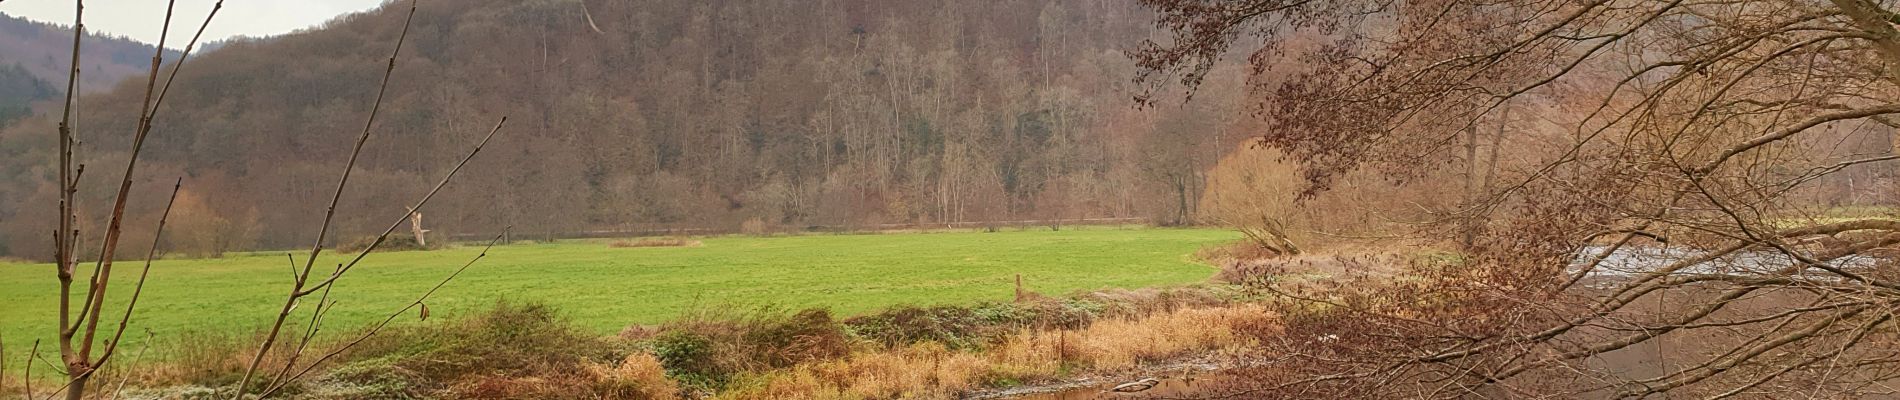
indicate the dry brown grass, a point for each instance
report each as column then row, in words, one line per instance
column 1123, row 344
column 1248, row 271
column 930, row 370
column 509, row 352
column 1241, row 250
column 639, row 376
column 191, row 359
column 654, row 242
column 198, row 358
column 529, row 352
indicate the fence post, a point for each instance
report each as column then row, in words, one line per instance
column 1019, row 288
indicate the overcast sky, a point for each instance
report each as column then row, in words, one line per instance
column 140, row 19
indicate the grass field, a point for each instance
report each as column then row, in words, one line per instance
column 605, row 288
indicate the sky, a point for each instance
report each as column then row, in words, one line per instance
column 140, row 19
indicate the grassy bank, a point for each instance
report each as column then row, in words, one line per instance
column 603, row 289
column 516, row 350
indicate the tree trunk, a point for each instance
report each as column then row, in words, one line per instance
column 77, row 391
column 1180, row 194
column 1471, row 170
column 1497, row 140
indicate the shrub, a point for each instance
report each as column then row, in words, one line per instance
column 688, row 356
column 509, row 351
column 709, row 348
column 956, row 327
column 808, row 335
column 379, row 379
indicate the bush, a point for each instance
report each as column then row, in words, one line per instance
column 688, row 356
column 809, row 335
column 509, row 351
column 379, row 379
column 710, row 348
column 956, row 327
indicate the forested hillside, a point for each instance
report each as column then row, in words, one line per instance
column 655, row 113
column 34, row 63
column 19, row 90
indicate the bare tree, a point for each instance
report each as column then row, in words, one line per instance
column 1658, row 216
column 78, row 329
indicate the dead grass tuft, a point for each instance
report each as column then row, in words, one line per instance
column 639, row 376
column 654, row 242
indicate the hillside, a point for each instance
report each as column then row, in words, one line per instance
column 641, row 114
column 19, row 90
column 35, row 57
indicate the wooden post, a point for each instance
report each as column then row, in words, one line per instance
column 415, row 226
column 1019, row 288
column 1062, row 347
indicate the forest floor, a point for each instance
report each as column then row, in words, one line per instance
column 601, row 288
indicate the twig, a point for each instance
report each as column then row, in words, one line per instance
column 27, row 377
column 293, row 268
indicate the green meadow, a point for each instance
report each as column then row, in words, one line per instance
column 607, row 289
